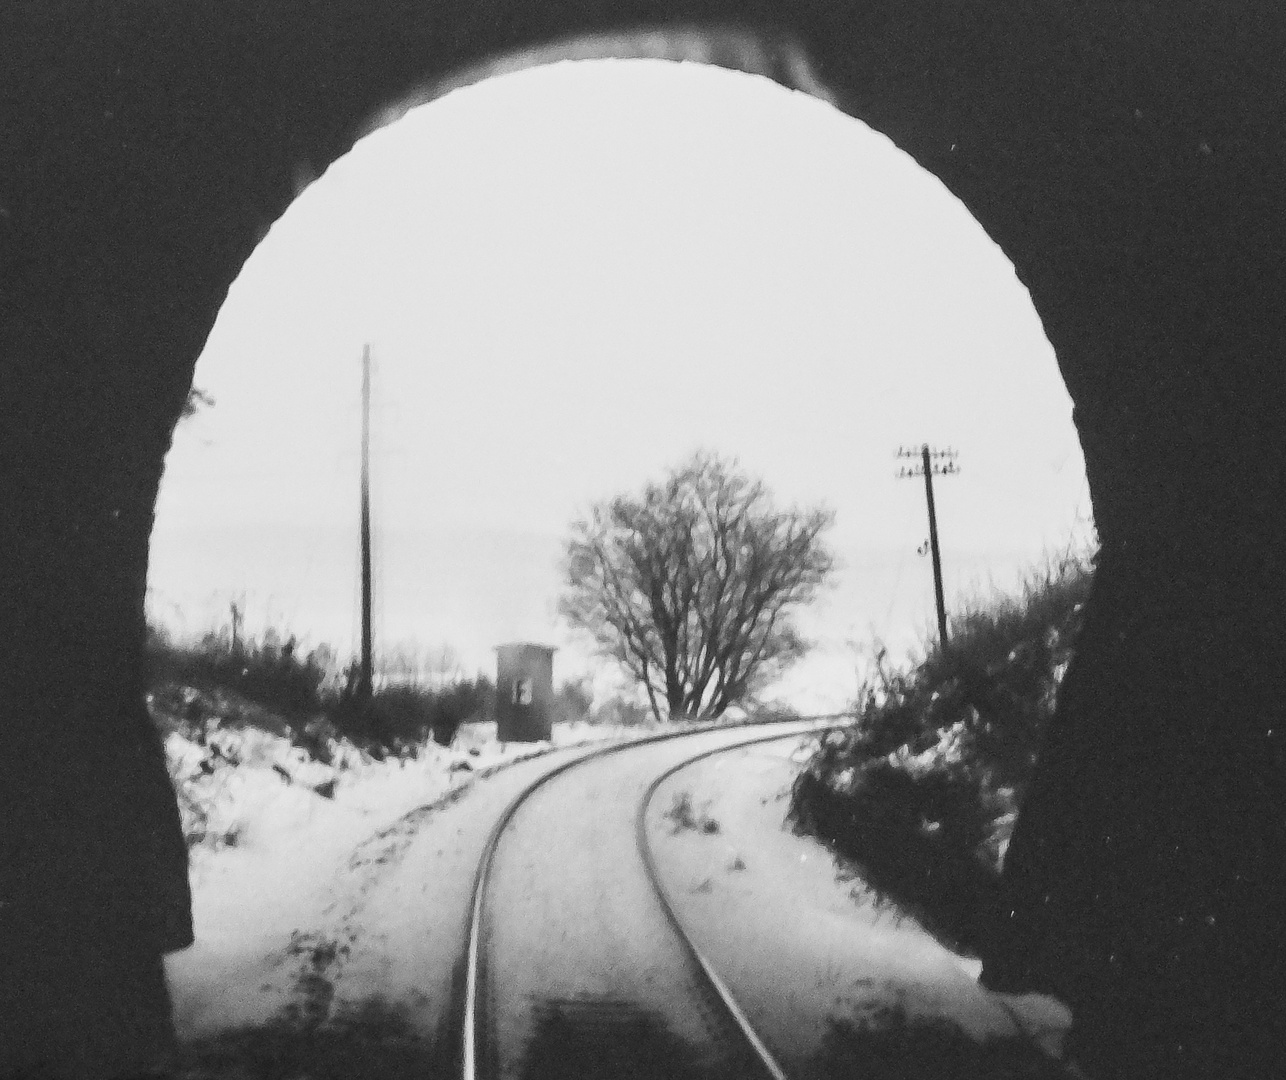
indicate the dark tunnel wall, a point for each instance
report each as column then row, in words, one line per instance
column 1128, row 158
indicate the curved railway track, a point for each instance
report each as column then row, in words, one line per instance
column 1024, row 1032
column 763, row 1055
column 741, row 1051
column 592, row 1028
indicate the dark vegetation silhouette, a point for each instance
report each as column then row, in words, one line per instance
column 924, row 788
column 268, row 681
column 690, row 585
column 397, row 717
column 308, row 698
column 268, row 670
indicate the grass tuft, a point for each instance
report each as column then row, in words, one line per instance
column 685, row 815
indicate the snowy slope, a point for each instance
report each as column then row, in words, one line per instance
column 279, row 842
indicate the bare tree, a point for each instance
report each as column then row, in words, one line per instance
column 400, row 665
column 407, row 664
column 442, row 666
column 690, row 586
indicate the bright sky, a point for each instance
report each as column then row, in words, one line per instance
column 571, row 277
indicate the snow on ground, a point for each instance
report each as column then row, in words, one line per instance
column 320, row 888
column 760, row 899
column 281, row 844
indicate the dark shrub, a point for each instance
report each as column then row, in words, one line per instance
column 267, row 671
column 573, row 700
column 395, row 718
column 923, row 789
column 917, row 835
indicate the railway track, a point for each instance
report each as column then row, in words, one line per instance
column 596, row 976
column 626, row 1025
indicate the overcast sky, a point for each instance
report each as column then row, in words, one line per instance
column 570, row 278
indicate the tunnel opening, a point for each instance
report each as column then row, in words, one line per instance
column 572, row 275
column 533, row 205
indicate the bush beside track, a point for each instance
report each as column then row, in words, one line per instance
column 923, row 790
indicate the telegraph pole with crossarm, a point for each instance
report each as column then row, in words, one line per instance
column 932, row 463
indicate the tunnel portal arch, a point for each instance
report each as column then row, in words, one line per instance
column 1126, row 158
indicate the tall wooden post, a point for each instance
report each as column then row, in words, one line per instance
column 933, row 544
column 367, row 678
column 928, row 468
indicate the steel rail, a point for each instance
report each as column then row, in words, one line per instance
column 765, row 1056
column 471, row 1033
column 1068, row 1068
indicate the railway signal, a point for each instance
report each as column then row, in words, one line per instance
column 932, row 463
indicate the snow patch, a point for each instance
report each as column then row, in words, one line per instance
column 279, row 841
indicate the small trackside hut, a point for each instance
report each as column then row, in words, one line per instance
column 524, row 692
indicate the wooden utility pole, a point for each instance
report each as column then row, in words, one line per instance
column 944, row 465
column 367, row 676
